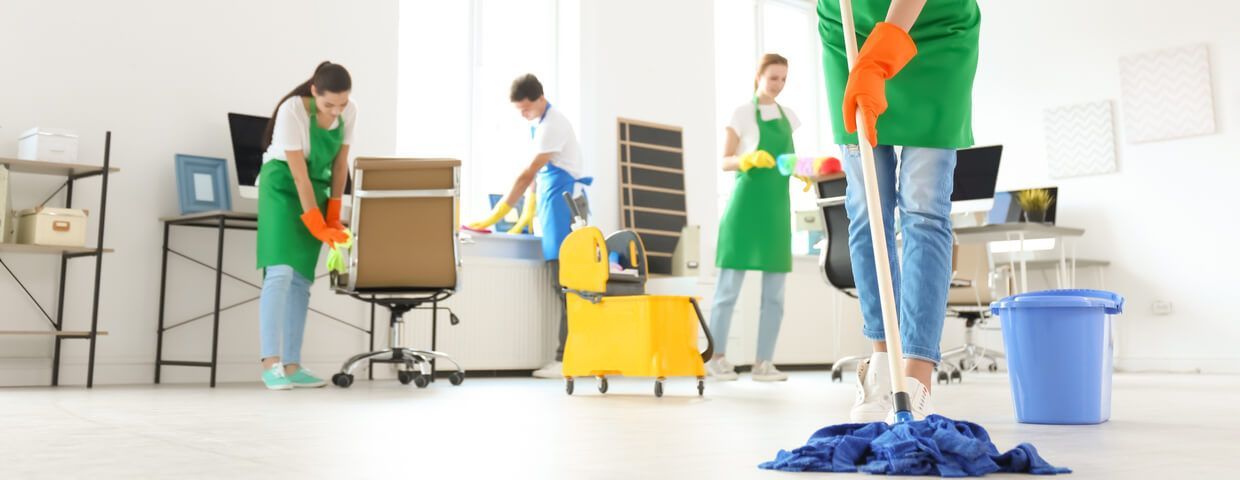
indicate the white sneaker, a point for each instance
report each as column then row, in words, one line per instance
column 550, row 370
column 919, row 400
column 766, row 372
column 720, row 369
column 873, row 390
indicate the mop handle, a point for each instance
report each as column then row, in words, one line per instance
column 873, row 202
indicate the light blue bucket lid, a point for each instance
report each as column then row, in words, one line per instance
column 1111, row 302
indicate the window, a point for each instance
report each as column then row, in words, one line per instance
column 442, row 113
column 747, row 29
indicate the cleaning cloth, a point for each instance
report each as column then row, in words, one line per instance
column 337, row 254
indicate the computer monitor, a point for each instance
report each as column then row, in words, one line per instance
column 1007, row 208
column 247, row 142
column 977, row 171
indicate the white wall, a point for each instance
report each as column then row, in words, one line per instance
column 162, row 76
column 648, row 60
column 1163, row 219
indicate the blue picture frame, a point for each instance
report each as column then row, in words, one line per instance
column 202, row 184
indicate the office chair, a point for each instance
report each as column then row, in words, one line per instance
column 969, row 300
column 404, row 256
column 836, row 264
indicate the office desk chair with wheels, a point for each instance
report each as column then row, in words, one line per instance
column 404, row 256
column 969, row 300
column 836, row 263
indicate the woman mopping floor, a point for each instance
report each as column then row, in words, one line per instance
column 930, row 109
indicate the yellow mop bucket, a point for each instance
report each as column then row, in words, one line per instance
column 613, row 327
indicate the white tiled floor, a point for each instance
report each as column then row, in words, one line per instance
column 1163, row 426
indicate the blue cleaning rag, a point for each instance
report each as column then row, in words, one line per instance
column 934, row 446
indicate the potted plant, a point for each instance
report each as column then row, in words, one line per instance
column 1035, row 202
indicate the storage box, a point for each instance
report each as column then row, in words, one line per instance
column 48, row 144
column 61, row 227
column 6, row 221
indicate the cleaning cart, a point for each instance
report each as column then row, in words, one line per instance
column 614, row 328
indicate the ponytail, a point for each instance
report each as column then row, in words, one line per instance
column 328, row 77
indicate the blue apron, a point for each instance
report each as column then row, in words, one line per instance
column 554, row 217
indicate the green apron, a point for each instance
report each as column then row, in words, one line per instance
column 930, row 102
column 282, row 238
column 756, row 230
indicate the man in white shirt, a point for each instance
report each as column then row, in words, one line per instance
column 554, row 171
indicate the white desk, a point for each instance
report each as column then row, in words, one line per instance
column 1022, row 232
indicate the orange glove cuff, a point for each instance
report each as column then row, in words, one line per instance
column 333, row 213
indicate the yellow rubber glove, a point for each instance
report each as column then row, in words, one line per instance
column 502, row 208
column 807, row 181
column 756, row 159
column 527, row 214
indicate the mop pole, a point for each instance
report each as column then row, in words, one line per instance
column 891, row 321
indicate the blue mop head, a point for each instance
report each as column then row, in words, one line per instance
column 934, row 446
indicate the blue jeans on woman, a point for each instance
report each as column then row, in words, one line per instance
column 769, row 317
column 282, row 308
column 921, row 191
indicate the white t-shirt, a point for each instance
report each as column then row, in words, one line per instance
column 292, row 129
column 746, row 126
column 555, row 135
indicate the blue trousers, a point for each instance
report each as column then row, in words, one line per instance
column 283, row 305
column 769, row 318
column 921, row 190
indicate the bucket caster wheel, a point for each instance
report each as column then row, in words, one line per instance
column 701, row 386
column 342, row 380
column 837, row 376
column 943, row 377
column 602, row 384
column 405, row 377
column 994, row 367
column 568, row 385
column 456, row 378
column 658, row 388
column 957, row 377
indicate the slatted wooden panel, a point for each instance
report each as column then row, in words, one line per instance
column 652, row 187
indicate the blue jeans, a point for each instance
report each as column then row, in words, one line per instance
column 771, row 315
column 921, row 191
column 282, row 309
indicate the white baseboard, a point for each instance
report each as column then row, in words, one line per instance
column 1221, row 365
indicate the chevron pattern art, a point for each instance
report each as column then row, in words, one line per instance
column 1166, row 94
column 1080, row 140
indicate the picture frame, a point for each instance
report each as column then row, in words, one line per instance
column 202, row 184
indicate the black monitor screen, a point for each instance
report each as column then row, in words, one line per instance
column 977, row 171
column 247, row 141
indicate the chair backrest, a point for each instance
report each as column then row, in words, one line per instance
column 972, row 264
column 406, row 222
column 835, row 261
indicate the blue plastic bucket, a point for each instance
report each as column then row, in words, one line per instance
column 1059, row 351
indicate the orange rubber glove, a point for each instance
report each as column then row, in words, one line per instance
column 333, row 214
column 313, row 219
column 888, row 49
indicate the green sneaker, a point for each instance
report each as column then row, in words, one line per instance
column 274, row 378
column 302, row 378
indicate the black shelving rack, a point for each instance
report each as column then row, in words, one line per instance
column 72, row 173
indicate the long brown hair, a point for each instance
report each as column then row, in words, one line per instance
column 328, row 77
column 768, row 60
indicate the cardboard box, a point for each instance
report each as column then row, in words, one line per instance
column 61, row 227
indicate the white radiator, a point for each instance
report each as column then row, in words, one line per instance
column 509, row 317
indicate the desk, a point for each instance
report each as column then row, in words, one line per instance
column 1021, row 232
column 222, row 221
